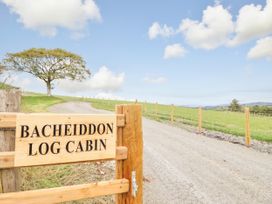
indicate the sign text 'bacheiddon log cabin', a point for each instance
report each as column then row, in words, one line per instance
column 67, row 130
column 40, row 138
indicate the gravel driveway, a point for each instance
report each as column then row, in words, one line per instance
column 183, row 167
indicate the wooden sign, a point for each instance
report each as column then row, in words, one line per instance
column 60, row 138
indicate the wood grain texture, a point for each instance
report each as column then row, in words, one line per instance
column 133, row 139
column 119, row 164
column 86, row 141
column 66, row 193
column 120, row 120
column 10, row 102
column 7, row 158
column 8, row 120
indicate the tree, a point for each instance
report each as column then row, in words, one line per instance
column 48, row 65
column 235, row 106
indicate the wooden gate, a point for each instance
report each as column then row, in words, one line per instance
column 46, row 139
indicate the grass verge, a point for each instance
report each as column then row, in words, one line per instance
column 39, row 103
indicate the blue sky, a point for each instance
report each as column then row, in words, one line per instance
column 209, row 65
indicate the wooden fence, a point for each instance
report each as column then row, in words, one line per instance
column 128, row 153
column 173, row 116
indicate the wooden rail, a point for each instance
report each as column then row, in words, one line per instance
column 7, row 158
column 66, row 193
column 8, row 120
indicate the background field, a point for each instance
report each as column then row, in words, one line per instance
column 222, row 121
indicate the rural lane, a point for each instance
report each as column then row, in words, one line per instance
column 183, row 167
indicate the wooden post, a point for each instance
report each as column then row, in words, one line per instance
column 172, row 113
column 131, row 168
column 247, row 127
column 199, row 120
column 156, row 110
column 144, row 107
column 9, row 102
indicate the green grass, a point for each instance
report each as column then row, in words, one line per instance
column 222, row 121
column 39, row 103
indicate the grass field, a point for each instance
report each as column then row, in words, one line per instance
column 223, row 121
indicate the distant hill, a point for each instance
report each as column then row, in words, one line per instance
column 258, row 104
column 224, row 106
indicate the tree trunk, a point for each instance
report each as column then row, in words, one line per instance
column 49, row 88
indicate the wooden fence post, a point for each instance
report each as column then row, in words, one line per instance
column 156, row 110
column 9, row 102
column 199, row 120
column 247, row 127
column 144, row 107
column 172, row 113
column 131, row 168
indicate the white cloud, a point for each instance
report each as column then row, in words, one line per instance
column 156, row 30
column 155, row 80
column 103, row 80
column 103, row 95
column 252, row 22
column 46, row 16
column 212, row 32
column 262, row 49
column 78, row 35
column 174, row 51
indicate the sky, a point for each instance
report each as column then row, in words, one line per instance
column 173, row 52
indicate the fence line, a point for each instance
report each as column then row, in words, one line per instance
column 197, row 119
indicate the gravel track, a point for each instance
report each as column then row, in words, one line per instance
column 184, row 167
